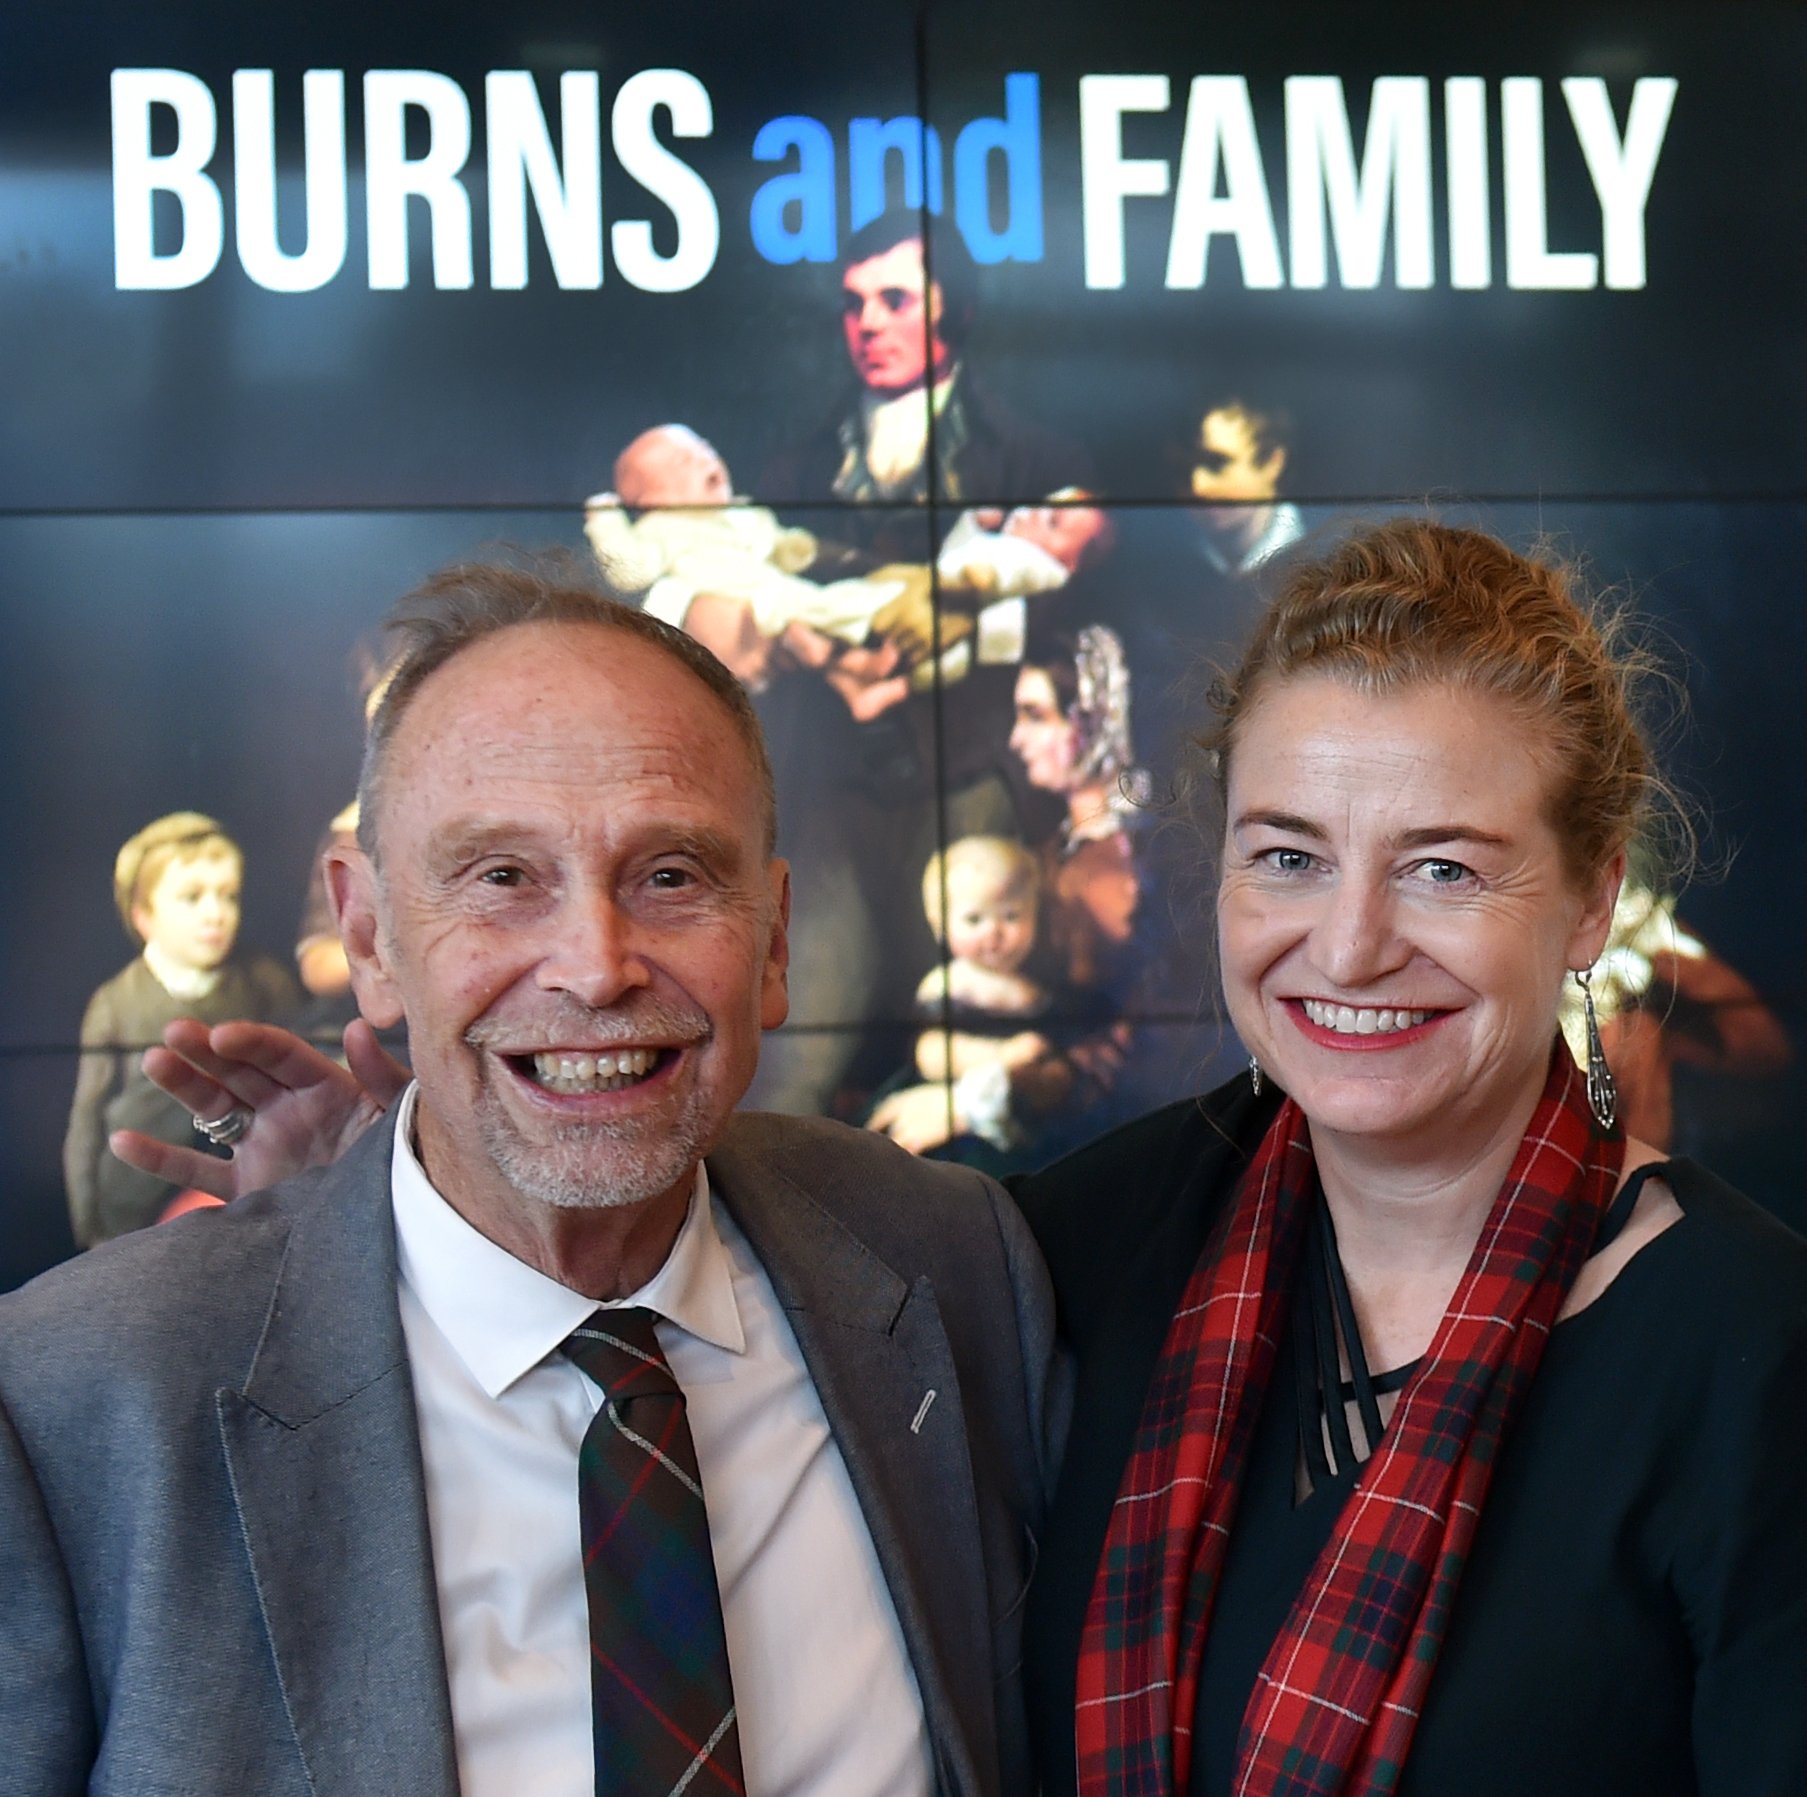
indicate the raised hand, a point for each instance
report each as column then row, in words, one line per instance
column 306, row 1108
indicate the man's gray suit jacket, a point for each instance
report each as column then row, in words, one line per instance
column 215, row 1575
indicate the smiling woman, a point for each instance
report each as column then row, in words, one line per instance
column 1434, row 1432
column 1395, row 914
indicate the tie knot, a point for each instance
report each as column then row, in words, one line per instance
column 618, row 1350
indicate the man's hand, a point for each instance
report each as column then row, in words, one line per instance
column 308, row 1109
column 867, row 679
column 866, row 696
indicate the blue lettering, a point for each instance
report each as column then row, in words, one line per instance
column 809, row 188
column 1017, row 136
column 868, row 143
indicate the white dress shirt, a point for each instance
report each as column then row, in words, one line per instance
column 827, row 1700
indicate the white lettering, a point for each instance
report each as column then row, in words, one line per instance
column 1220, row 132
column 520, row 157
column 391, row 177
column 323, row 180
column 666, row 178
column 1395, row 179
column 1529, row 259
column 1470, row 226
column 1621, row 172
column 138, row 176
column 1106, row 176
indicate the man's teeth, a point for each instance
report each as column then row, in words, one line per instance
column 570, row 1073
column 1351, row 1020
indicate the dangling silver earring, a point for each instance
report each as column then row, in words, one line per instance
column 1254, row 1076
column 1602, row 1090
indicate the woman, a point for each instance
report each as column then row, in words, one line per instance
column 1072, row 734
column 1427, row 1436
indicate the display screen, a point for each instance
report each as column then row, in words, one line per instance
column 966, row 378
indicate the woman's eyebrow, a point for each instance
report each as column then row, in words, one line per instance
column 1430, row 834
column 1289, row 821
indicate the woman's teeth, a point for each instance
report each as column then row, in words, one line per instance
column 571, row 1073
column 1349, row 1020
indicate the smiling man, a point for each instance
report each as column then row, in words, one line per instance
column 570, row 1434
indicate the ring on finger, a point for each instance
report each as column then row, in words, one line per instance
column 222, row 1132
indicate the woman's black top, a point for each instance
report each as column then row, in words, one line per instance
column 1633, row 1616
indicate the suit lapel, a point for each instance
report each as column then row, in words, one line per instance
column 881, row 1363
column 323, row 1451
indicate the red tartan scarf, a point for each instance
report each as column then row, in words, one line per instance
column 1333, row 1710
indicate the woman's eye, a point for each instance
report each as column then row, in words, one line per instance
column 1443, row 873
column 1288, row 861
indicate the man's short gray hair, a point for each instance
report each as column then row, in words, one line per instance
column 463, row 604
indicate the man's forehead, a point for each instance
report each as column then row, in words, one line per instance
column 560, row 695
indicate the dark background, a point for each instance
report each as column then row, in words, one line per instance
column 208, row 497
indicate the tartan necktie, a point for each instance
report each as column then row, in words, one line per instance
column 662, row 1702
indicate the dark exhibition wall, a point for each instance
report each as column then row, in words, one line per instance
column 297, row 305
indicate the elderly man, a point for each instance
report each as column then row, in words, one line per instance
column 570, row 1434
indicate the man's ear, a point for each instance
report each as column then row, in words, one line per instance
column 774, row 990
column 351, row 884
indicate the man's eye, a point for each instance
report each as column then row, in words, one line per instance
column 502, row 876
column 671, row 879
column 896, row 298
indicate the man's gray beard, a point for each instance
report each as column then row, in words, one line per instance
column 564, row 1173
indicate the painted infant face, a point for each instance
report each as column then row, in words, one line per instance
column 990, row 914
column 672, row 466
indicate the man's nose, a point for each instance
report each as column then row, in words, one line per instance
column 595, row 952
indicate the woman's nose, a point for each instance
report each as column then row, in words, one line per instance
column 1356, row 941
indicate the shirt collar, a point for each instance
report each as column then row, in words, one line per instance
column 503, row 1317
column 176, row 979
column 1284, row 527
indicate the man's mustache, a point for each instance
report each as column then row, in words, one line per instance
column 639, row 1020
